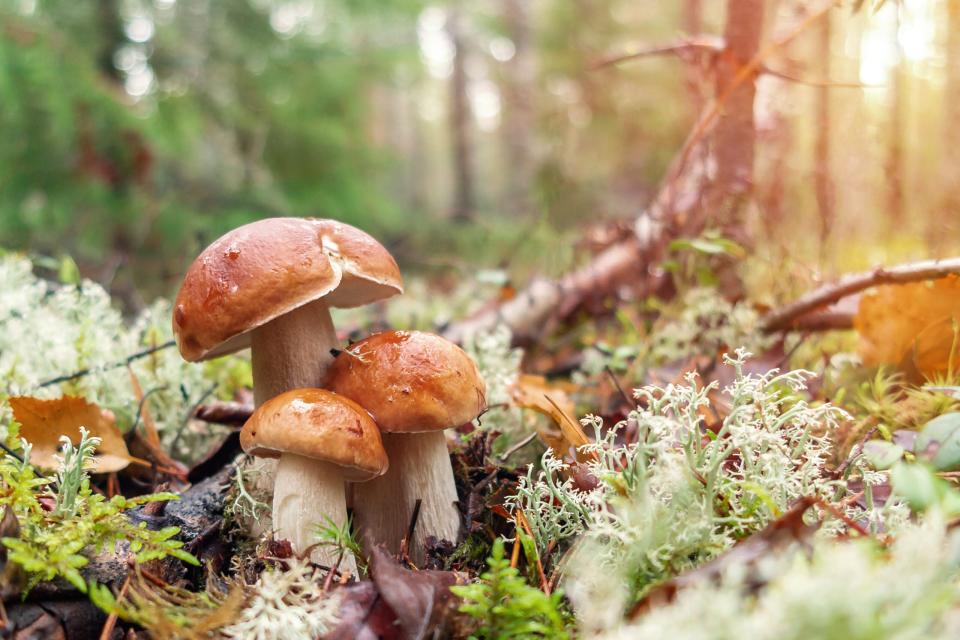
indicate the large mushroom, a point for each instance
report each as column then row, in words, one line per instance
column 269, row 285
column 326, row 437
column 414, row 385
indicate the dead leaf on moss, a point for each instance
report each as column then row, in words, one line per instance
column 42, row 422
column 912, row 326
column 534, row 392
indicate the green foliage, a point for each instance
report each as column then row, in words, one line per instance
column 59, row 542
column 342, row 538
column 504, row 606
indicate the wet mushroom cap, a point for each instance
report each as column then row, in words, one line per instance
column 267, row 268
column 317, row 424
column 410, row 381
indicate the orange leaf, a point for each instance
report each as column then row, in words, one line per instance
column 911, row 325
column 42, row 422
column 533, row 392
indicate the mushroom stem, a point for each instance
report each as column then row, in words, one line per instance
column 306, row 490
column 292, row 351
column 419, row 469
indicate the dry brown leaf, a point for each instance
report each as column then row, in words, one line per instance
column 42, row 422
column 533, row 392
column 911, row 325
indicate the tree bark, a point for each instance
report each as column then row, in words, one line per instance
column 460, row 117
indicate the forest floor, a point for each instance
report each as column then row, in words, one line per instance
column 685, row 464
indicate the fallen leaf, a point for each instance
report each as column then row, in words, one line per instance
column 42, row 422
column 911, row 325
column 533, row 392
column 421, row 600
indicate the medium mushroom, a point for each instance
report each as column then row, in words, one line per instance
column 323, row 436
column 269, row 285
column 414, row 385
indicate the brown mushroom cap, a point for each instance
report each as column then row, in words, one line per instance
column 317, row 424
column 410, row 381
column 267, row 268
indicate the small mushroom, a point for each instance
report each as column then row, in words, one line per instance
column 414, row 385
column 269, row 285
column 327, row 440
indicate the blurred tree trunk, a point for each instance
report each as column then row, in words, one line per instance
column 110, row 39
column 692, row 23
column 822, row 177
column 951, row 118
column 894, row 166
column 463, row 193
column 518, row 114
column 710, row 181
column 735, row 134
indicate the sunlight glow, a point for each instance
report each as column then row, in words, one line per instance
column 879, row 47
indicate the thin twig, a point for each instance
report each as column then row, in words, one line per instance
column 616, row 383
column 116, row 365
column 520, row 445
column 812, row 82
column 700, row 44
column 522, row 519
column 783, row 319
column 413, row 520
column 112, row 618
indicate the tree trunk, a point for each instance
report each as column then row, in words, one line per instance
column 463, row 196
column 822, row 177
column 519, row 84
column 692, row 23
column 709, row 179
column 950, row 163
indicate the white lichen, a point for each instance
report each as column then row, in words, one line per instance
column 287, row 604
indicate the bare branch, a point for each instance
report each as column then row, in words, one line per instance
column 786, row 317
column 698, row 44
column 816, row 82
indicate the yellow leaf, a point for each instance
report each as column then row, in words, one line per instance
column 42, row 422
column 911, row 325
column 533, row 392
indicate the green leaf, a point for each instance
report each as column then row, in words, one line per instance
column 939, row 441
column 882, row 454
column 916, row 484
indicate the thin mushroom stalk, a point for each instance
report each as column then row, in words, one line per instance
column 419, row 470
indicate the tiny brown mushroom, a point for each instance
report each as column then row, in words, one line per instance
column 329, row 440
column 414, row 385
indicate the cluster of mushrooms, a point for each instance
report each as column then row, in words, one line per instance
column 371, row 415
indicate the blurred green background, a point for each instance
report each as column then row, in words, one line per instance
column 134, row 132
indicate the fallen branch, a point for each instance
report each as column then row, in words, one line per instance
column 788, row 317
column 233, row 414
column 116, row 365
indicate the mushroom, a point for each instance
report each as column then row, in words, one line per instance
column 414, row 385
column 326, row 437
column 269, row 285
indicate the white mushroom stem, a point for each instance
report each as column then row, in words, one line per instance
column 306, row 490
column 419, row 469
column 293, row 352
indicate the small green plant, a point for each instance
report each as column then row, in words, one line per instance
column 57, row 542
column 504, row 606
column 342, row 538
